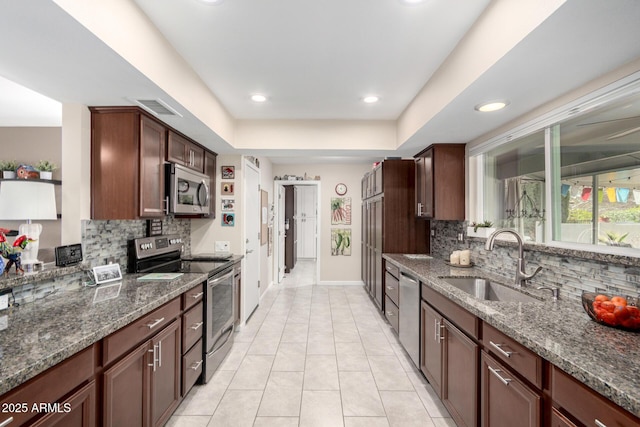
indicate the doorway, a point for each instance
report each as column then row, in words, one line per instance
column 307, row 223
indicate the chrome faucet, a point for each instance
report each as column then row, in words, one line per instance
column 521, row 276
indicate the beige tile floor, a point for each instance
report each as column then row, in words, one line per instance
column 314, row 355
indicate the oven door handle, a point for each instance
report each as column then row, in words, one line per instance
column 230, row 330
column 203, row 184
column 217, row 280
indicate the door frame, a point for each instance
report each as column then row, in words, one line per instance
column 277, row 214
column 248, row 164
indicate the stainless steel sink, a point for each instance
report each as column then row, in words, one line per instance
column 486, row 290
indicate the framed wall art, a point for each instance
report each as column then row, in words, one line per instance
column 228, row 205
column 228, row 172
column 228, row 219
column 226, row 188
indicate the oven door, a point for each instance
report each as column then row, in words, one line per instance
column 189, row 192
column 218, row 320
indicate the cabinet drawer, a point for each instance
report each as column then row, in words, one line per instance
column 192, row 326
column 120, row 342
column 392, row 269
column 510, row 352
column 457, row 315
column 191, row 367
column 391, row 312
column 391, row 287
column 192, row 297
column 48, row 387
column 584, row 404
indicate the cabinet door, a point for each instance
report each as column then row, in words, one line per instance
column 152, row 143
column 559, row 420
column 126, row 388
column 431, row 354
column 505, row 400
column 460, row 376
column 79, row 410
column 166, row 371
column 210, row 171
column 182, row 151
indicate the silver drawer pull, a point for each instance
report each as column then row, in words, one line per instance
column 6, row 422
column 155, row 323
column 196, row 365
column 597, row 421
column 496, row 372
column 390, row 288
column 389, row 313
column 196, row 326
column 198, row 295
column 499, row 348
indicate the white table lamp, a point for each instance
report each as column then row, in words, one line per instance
column 28, row 200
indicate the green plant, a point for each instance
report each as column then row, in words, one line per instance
column 613, row 237
column 46, row 166
column 485, row 224
column 9, row 165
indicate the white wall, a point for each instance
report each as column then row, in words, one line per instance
column 335, row 268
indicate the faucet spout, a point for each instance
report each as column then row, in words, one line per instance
column 521, row 275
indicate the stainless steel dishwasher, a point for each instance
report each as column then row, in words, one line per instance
column 409, row 325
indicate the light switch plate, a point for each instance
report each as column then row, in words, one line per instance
column 222, row 246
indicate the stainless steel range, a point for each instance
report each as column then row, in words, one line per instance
column 162, row 254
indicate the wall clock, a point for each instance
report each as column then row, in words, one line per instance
column 341, row 189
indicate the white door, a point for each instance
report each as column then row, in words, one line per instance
column 306, row 221
column 251, row 273
column 281, row 233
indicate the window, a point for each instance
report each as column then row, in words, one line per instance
column 574, row 181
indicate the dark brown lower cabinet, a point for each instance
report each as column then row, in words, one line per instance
column 78, row 410
column 505, row 400
column 143, row 389
column 559, row 420
column 431, row 354
column 460, row 375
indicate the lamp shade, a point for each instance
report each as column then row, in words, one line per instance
column 26, row 200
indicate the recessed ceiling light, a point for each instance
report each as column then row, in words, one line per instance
column 411, row 2
column 491, row 106
column 258, row 98
column 214, row 2
column 371, row 99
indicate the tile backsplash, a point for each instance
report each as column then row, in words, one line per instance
column 589, row 272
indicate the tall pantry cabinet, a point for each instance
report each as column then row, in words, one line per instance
column 388, row 221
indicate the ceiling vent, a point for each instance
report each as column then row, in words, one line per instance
column 157, row 107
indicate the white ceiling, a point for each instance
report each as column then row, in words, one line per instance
column 316, row 60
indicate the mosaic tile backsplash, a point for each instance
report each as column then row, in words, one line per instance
column 569, row 273
column 101, row 240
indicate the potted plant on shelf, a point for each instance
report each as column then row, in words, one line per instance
column 46, row 168
column 8, row 168
column 480, row 229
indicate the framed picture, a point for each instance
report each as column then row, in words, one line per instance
column 228, row 205
column 341, row 211
column 340, row 242
column 107, row 273
column 228, row 172
column 226, row 188
column 228, row 219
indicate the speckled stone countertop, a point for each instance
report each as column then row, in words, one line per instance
column 603, row 358
column 41, row 334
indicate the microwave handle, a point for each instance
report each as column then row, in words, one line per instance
column 206, row 200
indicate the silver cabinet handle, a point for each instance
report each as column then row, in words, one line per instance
column 6, row 422
column 441, row 331
column 499, row 348
column 390, row 288
column 419, row 209
column 155, row 323
column 198, row 295
column 196, row 326
column 153, row 365
column 196, row 365
column 436, row 330
column 496, row 372
column 389, row 313
column 159, row 354
column 597, row 421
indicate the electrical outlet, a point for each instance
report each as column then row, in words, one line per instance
column 222, row 246
column 433, row 232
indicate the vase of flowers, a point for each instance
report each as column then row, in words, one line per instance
column 480, row 229
column 46, row 168
column 8, row 168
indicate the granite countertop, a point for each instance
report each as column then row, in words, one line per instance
column 603, row 358
column 38, row 335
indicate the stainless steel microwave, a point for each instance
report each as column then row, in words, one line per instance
column 189, row 192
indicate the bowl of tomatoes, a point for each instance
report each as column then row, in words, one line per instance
column 617, row 311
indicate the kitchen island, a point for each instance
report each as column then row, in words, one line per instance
column 607, row 360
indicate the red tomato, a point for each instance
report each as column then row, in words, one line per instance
column 630, row 323
column 621, row 313
column 619, row 300
column 608, row 306
column 609, row 318
column 596, row 305
column 633, row 311
column 601, row 297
